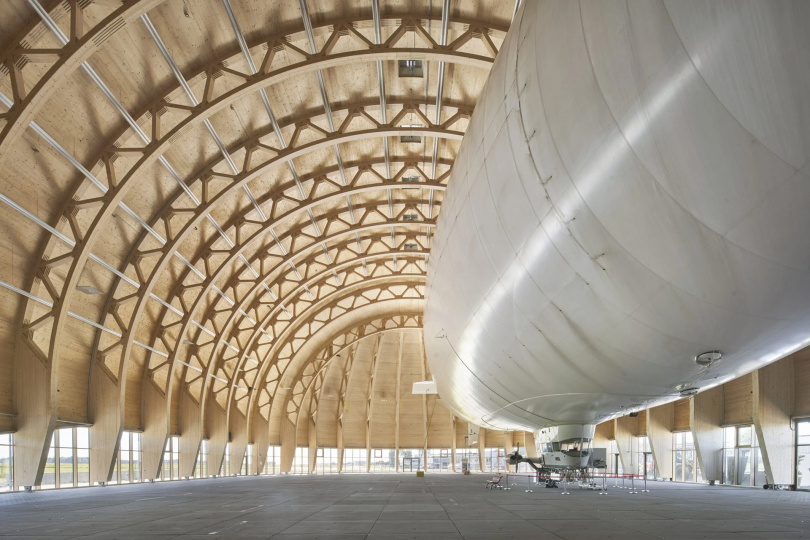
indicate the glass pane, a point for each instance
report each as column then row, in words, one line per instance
column 66, row 438
column 5, row 438
column 744, row 466
column 678, row 467
column 688, row 466
column 124, row 441
column 49, row 477
column 728, row 466
column 803, row 432
column 744, row 436
column 760, row 479
column 803, row 467
column 65, row 466
column 82, row 437
column 83, row 466
column 730, row 437
column 124, row 466
column 136, row 466
column 689, row 440
column 136, row 441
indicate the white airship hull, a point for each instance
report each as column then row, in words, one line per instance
column 632, row 191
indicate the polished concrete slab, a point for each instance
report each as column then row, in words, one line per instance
column 401, row 506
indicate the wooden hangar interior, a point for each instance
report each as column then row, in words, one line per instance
column 217, row 219
column 216, row 222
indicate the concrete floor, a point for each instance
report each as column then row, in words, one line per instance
column 440, row 506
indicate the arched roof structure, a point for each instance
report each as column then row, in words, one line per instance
column 201, row 199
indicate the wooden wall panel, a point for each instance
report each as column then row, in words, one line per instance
column 681, row 415
column 738, row 401
column 461, row 433
column 495, row 439
column 642, row 424
column 801, row 377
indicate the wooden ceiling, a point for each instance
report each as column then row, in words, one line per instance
column 223, row 252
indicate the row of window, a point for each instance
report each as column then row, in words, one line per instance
column 69, row 460
column 68, row 463
column 742, row 459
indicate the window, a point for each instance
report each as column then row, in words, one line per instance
column 171, row 459
column 300, row 461
column 225, row 470
column 201, row 467
column 438, row 459
column 6, row 462
column 128, row 464
column 247, row 461
column 684, row 458
column 326, row 461
column 411, row 68
column 383, row 460
column 68, row 462
column 616, row 458
column 644, row 460
column 411, row 459
column 273, row 463
column 494, row 459
column 354, row 460
column 742, row 463
column 470, row 455
column 802, row 454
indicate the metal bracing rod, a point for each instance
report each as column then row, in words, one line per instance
column 240, row 38
column 375, row 9
column 328, row 110
column 439, row 91
column 51, row 24
column 70, row 243
column 76, row 316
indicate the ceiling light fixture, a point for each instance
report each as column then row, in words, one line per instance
column 87, row 289
column 708, row 358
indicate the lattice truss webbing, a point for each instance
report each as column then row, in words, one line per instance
column 35, row 62
column 218, row 264
column 212, row 356
column 309, row 382
column 263, row 380
column 122, row 162
column 278, row 287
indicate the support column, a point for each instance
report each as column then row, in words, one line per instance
column 705, row 421
column 237, row 425
column 422, row 362
column 260, row 433
column 482, row 441
column 396, row 412
column 312, row 439
column 773, row 406
column 625, row 430
column 370, row 398
column 216, row 423
column 660, row 422
column 453, row 442
column 190, row 434
column 106, row 417
column 508, row 443
column 35, row 417
column 156, row 429
column 288, row 444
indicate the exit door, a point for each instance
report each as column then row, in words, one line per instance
column 410, row 464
